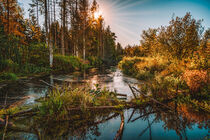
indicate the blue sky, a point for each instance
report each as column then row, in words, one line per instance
column 128, row 18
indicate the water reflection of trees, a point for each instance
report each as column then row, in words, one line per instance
column 173, row 120
column 85, row 124
column 79, row 125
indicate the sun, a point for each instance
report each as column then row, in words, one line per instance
column 97, row 14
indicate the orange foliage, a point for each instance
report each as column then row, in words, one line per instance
column 195, row 79
column 192, row 116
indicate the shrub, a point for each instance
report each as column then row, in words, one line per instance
column 127, row 64
column 95, row 61
column 144, row 75
column 198, row 61
column 142, row 68
column 8, row 76
column 166, row 86
column 173, row 68
column 31, row 69
column 195, row 79
column 67, row 63
column 8, row 65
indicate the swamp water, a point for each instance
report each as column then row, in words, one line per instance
column 151, row 122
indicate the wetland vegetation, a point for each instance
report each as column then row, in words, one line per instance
column 70, row 79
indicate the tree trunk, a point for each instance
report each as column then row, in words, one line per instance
column 55, row 25
column 8, row 14
column 63, row 29
column 37, row 12
column 84, row 41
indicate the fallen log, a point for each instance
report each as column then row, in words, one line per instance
column 22, row 113
column 132, row 91
column 118, row 94
column 99, row 107
column 120, row 131
column 47, row 83
column 151, row 98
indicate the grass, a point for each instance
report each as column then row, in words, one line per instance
column 60, row 101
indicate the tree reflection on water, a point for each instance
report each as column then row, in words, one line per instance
column 86, row 124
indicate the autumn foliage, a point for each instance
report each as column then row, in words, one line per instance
column 195, row 79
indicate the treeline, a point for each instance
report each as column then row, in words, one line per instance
column 55, row 27
column 183, row 38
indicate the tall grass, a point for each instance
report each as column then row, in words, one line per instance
column 61, row 100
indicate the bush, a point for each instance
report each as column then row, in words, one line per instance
column 95, row 61
column 8, row 76
column 127, row 64
column 195, row 79
column 143, row 68
column 165, row 86
column 198, row 61
column 67, row 63
column 8, row 65
column 31, row 69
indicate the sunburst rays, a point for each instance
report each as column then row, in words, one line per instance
column 120, row 18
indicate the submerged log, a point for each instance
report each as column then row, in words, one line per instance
column 120, row 131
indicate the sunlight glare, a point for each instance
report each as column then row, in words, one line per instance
column 97, row 14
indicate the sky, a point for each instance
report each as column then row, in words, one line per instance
column 128, row 18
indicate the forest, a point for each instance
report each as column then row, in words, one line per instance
column 74, row 38
column 64, row 75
